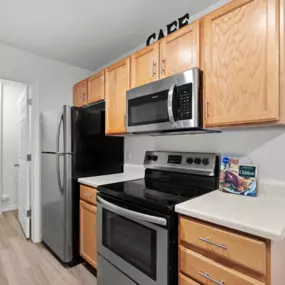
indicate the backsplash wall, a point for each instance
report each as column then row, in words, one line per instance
column 264, row 146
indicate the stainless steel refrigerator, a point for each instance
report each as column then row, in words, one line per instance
column 74, row 145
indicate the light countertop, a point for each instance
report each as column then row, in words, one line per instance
column 131, row 172
column 263, row 216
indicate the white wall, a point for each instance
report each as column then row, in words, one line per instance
column 264, row 146
column 52, row 84
column 55, row 79
column 10, row 96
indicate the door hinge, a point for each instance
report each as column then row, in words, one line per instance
column 30, row 101
column 29, row 157
column 29, row 213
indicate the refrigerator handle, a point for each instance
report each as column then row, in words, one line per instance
column 60, row 187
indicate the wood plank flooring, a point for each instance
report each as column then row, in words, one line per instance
column 25, row 263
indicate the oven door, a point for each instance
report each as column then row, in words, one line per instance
column 133, row 242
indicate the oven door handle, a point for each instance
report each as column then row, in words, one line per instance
column 132, row 214
column 170, row 104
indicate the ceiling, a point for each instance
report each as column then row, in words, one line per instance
column 87, row 33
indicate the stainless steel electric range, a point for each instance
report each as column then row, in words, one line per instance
column 137, row 224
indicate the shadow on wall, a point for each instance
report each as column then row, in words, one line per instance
column 264, row 146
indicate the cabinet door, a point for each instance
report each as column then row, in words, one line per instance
column 117, row 83
column 96, row 87
column 180, row 50
column 242, row 63
column 145, row 67
column 88, row 233
column 80, row 93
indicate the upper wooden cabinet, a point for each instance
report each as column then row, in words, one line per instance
column 80, row 95
column 180, row 50
column 145, row 65
column 96, row 87
column 117, row 82
column 242, row 63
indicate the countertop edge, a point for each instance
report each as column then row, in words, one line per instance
column 232, row 225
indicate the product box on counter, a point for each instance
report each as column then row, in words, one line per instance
column 237, row 177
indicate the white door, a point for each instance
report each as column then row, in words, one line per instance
column 24, row 161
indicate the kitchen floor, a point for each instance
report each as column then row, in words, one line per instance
column 22, row 262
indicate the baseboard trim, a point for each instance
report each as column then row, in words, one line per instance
column 10, row 208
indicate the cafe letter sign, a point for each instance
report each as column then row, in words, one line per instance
column 172, row 27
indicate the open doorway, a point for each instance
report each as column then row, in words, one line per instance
column 15, row 150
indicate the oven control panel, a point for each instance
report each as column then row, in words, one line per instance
column 184, row 162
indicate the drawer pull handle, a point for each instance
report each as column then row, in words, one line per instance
column 86, row 195
column 213, row 243
column 207, row 276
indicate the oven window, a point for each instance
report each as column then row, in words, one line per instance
column 133, row 242
column 149, row 109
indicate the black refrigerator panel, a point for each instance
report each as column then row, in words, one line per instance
column 93, row 152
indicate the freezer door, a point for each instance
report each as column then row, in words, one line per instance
column 66, row 145
column 56, row 130
column 56, row 204
column 49, row 129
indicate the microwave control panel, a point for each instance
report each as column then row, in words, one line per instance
column 185, row 101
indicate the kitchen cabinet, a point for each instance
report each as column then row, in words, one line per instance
column 88, row 227
column 145, row 65
column 96, row 87
column 205, row 270
column 241, row 46
column 180, row 50
column 80, row 95
column 175, row 53
column 221, row 254
column 183, row 280
column 117, row 82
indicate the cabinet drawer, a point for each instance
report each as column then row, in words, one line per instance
column 207, row 271
column 183, row 280
column 242, row 250
column 88, row 194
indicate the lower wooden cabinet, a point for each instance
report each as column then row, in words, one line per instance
column 207, row 271
column 183, row 280
column 88, row 233
column 209, row 254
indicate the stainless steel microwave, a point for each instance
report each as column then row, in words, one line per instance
column 172, row 104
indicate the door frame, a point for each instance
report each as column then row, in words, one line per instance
column 35, row 152
column 1, row 126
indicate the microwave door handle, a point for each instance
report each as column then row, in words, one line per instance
column 170, row 104
column 132, row 214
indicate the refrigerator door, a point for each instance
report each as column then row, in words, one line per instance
column 57, row 205
column 53, row 216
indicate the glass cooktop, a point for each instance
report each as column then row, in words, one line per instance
column 159, row 190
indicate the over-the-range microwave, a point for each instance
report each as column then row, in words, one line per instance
column 170, row 105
